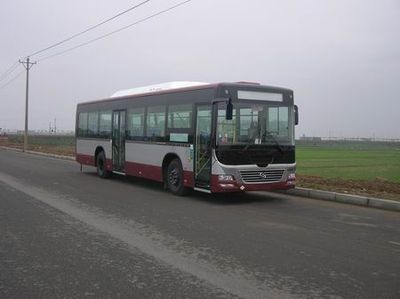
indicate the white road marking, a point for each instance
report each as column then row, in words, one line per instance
column 355, row 223
column 166, row 249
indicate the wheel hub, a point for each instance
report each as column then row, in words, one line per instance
column 173, row 177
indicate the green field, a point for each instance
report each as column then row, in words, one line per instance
column 354, row 160
column 349, row 160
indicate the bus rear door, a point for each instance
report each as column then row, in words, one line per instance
column 118, row 140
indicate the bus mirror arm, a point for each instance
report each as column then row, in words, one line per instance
column 296, row 115
column 229, row 106
column 229, row 110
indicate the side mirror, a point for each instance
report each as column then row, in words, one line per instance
column 296, row 115
column 229, row 106
column 229, row 110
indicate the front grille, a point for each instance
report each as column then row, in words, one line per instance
column 262, row 176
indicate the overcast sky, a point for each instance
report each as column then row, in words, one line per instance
column 341, row 57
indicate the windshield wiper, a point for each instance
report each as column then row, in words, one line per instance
column 268, row 133
column 264, row 135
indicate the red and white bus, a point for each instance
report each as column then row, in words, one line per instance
column 221, row 137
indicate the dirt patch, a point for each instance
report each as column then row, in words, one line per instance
column 63, row 150
column 379, row 188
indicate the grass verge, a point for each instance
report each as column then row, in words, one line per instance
column 363, row 168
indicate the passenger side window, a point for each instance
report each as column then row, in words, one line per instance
column 105, row 124
column 93, row 123
column 135, row 125
column 83, row 124
column 180, row 116
column 155, row 122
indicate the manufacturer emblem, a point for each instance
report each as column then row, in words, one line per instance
column 263, row 175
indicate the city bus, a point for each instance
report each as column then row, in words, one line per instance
column 222, row 137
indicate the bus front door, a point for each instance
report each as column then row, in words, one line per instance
column 118, row 141
column 202, row 152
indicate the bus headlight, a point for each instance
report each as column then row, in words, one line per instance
column 291, row 177
column 225, row 178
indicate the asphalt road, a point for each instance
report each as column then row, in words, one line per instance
column 69, row 234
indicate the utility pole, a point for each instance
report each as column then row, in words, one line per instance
column 27, row 64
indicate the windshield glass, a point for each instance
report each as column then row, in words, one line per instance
column 255, row 123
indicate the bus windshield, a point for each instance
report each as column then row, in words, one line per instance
column 255, row 123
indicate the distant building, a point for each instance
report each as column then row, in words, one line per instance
column 22, row 132
column 305, row 138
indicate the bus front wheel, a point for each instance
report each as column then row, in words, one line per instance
column 175, row 178
column 101, row 166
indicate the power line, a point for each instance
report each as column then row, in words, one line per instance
column 90, row 28
column 13, row 79
column 115, row 31
column 9, row 71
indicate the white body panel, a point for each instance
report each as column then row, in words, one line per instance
column 154, row 153
column 139, row 152
column 86, row 146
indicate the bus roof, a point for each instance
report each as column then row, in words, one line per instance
column 176, row 86
column 157, row 87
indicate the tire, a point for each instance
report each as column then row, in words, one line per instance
column 101, row 166
column 174, row 178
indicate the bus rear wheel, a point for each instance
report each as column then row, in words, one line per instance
column 175, row 178
column 101, row 166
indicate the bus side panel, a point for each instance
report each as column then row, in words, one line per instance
column 143, row 170
column 86, row 148
column 145, row 160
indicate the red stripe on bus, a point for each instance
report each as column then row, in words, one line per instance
column 137, row 169
column 154, row 173
column 89, row 160
column 144, row 171
column 85, row 159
